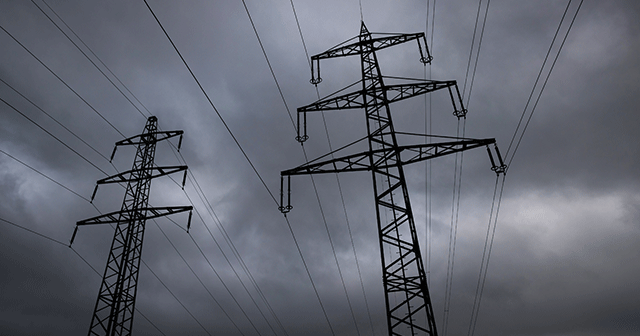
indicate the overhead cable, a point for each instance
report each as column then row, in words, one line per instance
column 232, row 268
column 453, row 232
column 211, row 103
column 486, row 255
column 545, row 81
column 53, row 136
column 95, row 65
column 305, row 154
column 344, row 207
column 203, row 285
column 85, row 55
column 53, row 118
column 63, row 82
column 76, row 252
column 101, row 62
column 475, row 67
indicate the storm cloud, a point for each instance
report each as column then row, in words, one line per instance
column 565, row 255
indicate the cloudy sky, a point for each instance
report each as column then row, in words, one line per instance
column 565, row 255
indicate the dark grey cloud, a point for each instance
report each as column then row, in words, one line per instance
column 564, row 257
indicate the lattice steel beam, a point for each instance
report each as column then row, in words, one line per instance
column 114, row 309
column 408, row 304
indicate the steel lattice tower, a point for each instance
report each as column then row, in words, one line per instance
column 409, row 309
column 113, row 314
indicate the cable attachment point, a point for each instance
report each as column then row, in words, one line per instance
column 180, row 143
column 284, row 209
column 113, row 153
column 501, row 167
column 302, row 127
column 460, row 113
column 315, row 75
column 95, row 190
column 456, row 100
column 189, row 220
column 73, row 236
column 426, row 60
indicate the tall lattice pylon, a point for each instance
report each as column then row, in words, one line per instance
column 409, row 309
column 113, row 314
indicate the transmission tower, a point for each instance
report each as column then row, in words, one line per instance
column 113, row 314
column 408, row 304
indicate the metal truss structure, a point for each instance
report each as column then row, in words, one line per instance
column 113, row 314
column 409, row 309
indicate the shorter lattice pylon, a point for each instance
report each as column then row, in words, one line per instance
column 113, row 314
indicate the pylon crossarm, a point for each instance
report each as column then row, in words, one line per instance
column 395, row 93
column 147, row 213
column 352, row 100
column 423, row 152
column 403, row 91
column 141, row 174
column 367, row 43
column 360, row 161
column 378, row 43
column 147, row 138
column 354, row 162
column 142, row 138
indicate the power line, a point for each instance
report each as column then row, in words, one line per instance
column 324, row 311
column 53, row 136
column 62, row 142
column 211, row 103
column 175, row 297
column 58, row 183
column 83, row 53
column 92, row 61
column 486, row 255
column 74, row 251
column 473, row 39
column 304, row 45
column 45, row 176
column 475, row 67
column 201, row 282
column 338, row 182
column 54, row 119
column 63, row 82
column 428, row 129
column 229, row 242
column 230, row 265
column 545, row 81
column 32, row 231
column 489, row 242
column 455, row 207
column 101, row 62
column 304, row 151
column 453, row 233
column 269, row 63
column 515, row 133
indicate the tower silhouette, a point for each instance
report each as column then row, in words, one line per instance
column 408, row 304
column 113, row 313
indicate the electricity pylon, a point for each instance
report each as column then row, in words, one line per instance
column 409, row 309
column 113, row 314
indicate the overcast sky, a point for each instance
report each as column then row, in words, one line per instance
column 565, row 256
